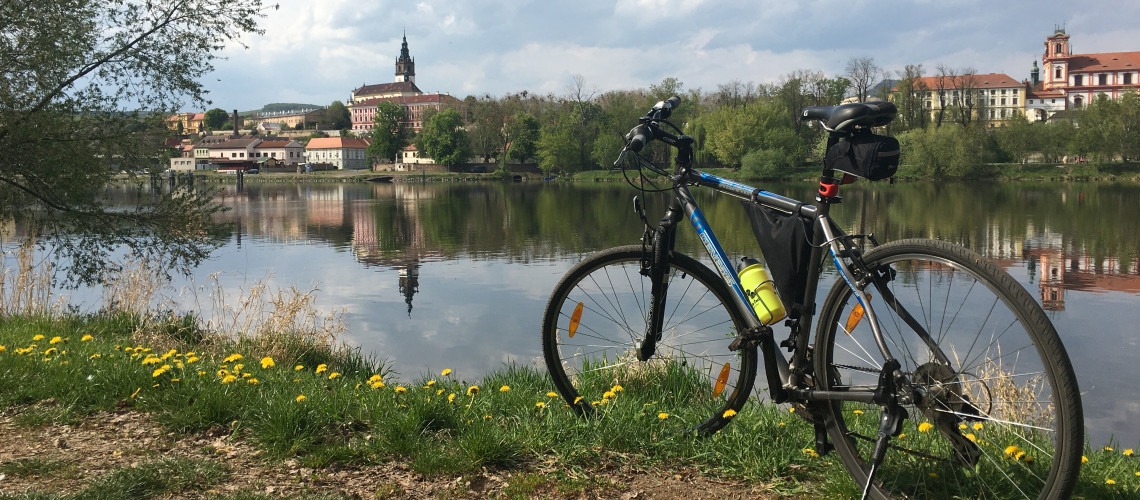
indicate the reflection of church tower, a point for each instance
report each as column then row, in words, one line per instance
column 405, row 65
column 409, row 282
column 1052, row 280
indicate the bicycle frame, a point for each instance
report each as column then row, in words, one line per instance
column 786, row 379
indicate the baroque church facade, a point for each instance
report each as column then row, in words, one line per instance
column 402, row 91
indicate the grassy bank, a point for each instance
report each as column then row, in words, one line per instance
column 300, row 398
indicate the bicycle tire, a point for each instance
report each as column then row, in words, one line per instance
column 1015, row 398
column 681, row 380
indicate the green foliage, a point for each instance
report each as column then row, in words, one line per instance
column 216, row 119
column 70, row 70
column 390, row 133
column 338, row 116
column 443, row 139
column 522, row 137
column 943, row 152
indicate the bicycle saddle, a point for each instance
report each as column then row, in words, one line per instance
column 864, row 114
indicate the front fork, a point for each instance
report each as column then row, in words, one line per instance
column 656, row 247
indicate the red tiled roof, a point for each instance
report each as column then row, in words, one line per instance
column 336, row 143
column 408, row 100
column 1110, row 61
column 986, row 81
column 386, row 88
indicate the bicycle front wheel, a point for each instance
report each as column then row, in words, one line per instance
column 596, row 321
column 997, row 412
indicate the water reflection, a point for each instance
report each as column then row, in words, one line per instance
column 478, row 260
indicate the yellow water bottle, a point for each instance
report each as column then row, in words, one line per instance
column 760, row 290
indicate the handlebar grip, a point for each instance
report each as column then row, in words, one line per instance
column 638, row 137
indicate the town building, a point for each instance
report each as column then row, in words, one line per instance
column 290, row 119
column 403, row 91
column 343, row 153
column 1075, row 80
column 991, row 98
column 187, row 123
column 287, row 151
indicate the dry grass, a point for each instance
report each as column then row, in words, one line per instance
column 25, row 284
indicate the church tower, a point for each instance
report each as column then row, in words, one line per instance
column 405, row 65
column 1056, row 59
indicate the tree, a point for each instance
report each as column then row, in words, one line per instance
column 522, row 137
column 443, row 138
column 338, row 116
column 72, row 70
column 863, row 74
column 216, row 119
column 390, row 135
column 911, row 98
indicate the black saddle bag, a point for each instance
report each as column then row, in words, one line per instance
column 867, row 155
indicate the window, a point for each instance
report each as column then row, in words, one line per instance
column 1057, row 49
column 1015, row 100
column 1002, row 91
column 1128, row 78
column 992, row 101
column 1102, row 80
column 1053, row 101
column 1057, row 74
column 1078, row 101
column 233, row 155
column 1003, row 101
column 1078, row 80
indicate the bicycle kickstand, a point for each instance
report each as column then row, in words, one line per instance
column 890, row 422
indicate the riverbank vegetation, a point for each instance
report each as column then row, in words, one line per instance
column 280, row 382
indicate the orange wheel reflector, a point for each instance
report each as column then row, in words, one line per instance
column 722, row 380
column 855, row 317
column 575, row 319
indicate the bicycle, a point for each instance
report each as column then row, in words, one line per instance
column 931, row 337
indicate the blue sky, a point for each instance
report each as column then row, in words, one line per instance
column 318, row 51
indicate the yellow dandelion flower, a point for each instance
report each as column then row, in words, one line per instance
column 192, row 359
column 1109, row 481
column 972, row 437
column 783, row 424
column 792, row 409
column 401, row 389
column 617, row 388
column 93, row 356
column 1138, row 473
column 1128, row 452
column 1107, row 448
column 608, row 395
column 169, row 353
column 962, row 426
column 136, row 393
column 445, row 372
column 925, row 427
column 37, row 337
column 334, row 375
column 201, row 372
column 151, row 360
column 978, row 426
column 175, row 380
column 505, row 388
column 857, row 412
column 300, row 398
column 223, row 372
column 551, row 394
column 1084, row 459
column 85, row 338
column 451, row 397
column 439, row 392
column 153, row 386
column 228, row 378
column 487, row 417
column 810, row 452
column 298, row 368
column 933, row 475
column 2, row 348
column 55, row 340
column 540, row 404
column 662, row 415
column 246, row 375
column 377, row 384
column 903, row 435
column 473, row 390
column 233, row 357
column 238, row 367
column 267, row 362
column 374, row 378
column 160, row 370
column 253, row 381
column 578, row 400
column 50, row 351
column 1012, row 451
column 322, row 368
column 429, row 384
column 729, row 413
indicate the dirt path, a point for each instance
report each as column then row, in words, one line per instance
column 107, row 441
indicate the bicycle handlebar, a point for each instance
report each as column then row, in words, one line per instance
column 648, row 129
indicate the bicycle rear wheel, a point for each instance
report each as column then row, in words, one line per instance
column 595, row 323
column 999, row 414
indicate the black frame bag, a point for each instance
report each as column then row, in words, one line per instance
column 784, row 241
column 864, row 154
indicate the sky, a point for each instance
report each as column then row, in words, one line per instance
column 315, row 52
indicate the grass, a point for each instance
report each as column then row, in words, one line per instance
column 150, row 479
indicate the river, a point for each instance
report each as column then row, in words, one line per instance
column 456, row 275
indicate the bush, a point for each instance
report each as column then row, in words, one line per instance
column 765, row 163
